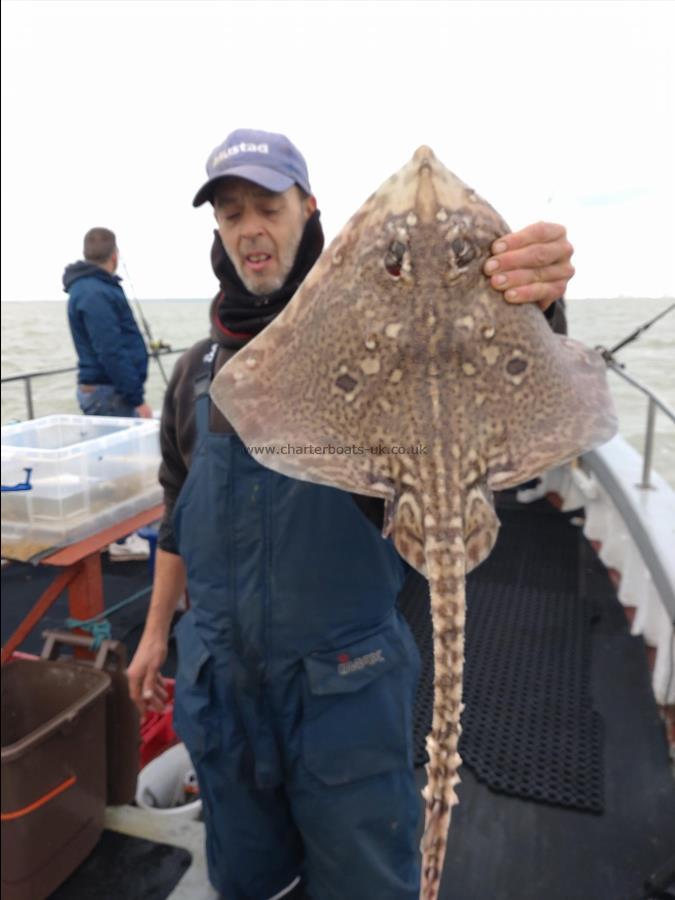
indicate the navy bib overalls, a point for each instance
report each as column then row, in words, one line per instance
column 295, row 684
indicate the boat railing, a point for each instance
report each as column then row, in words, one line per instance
column 653, row 402
column 28, row 377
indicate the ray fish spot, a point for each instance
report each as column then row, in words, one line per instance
column 370, row 366
column 346, row 383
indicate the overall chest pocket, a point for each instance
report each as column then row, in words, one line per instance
column 358, row 703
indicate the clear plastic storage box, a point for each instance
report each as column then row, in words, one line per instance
column 87, row 473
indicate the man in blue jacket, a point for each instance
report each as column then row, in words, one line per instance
column 297, row 673
column 112, row 358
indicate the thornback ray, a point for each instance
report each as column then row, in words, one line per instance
column 396, row 371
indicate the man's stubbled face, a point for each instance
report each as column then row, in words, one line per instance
column 260, row 230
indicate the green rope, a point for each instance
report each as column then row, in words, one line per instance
column 99, row 626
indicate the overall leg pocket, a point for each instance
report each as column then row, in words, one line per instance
column 205, row 710
column 358, row 707
column 193, row 702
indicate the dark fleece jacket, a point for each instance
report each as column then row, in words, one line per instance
column 110, row 348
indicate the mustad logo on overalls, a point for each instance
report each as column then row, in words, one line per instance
column 346, row 665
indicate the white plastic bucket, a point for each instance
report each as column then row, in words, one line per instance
column 161, row 785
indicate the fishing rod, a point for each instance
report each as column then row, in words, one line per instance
column 608, row 355
column 155, row 346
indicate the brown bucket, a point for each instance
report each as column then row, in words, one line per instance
column 123, row 734
column 53, row 772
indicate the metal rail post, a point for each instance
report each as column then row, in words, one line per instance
column 648, row 452
column 29, row 398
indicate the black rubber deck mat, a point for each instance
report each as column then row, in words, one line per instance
column 126, row 868
column 529, row 729
column 505, row 848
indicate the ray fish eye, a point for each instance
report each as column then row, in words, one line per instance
column 394, row 258
column 464, row 251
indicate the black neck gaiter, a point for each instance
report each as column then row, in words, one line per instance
column 238, row 314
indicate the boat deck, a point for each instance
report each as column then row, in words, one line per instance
column 503, row 845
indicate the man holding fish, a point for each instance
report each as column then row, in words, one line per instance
column 297, row 675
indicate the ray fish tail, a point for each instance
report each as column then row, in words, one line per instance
column 446, row 564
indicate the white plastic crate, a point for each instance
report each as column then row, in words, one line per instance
column 88, row 473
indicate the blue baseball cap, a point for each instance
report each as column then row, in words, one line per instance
column 267, row 159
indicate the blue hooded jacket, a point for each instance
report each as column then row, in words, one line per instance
column 109, row 346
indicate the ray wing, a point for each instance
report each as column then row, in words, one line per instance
column 547, row 398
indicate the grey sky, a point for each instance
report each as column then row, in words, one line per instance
column 563, row 111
